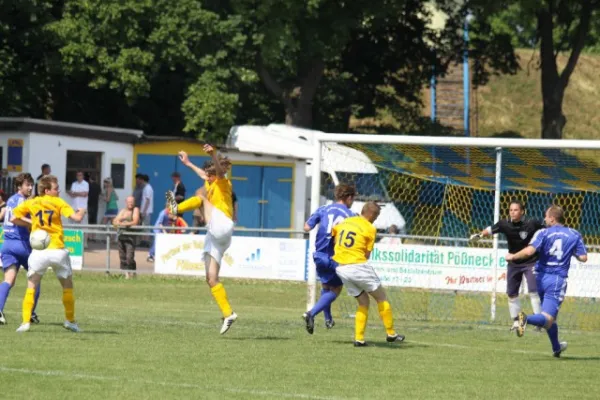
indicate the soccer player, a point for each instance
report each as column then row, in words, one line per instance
column 354, row 240
column 16, row 248
column 218, row 214
column 46, row 211
column 519, row 232
column 556, row 245
column 327, row 217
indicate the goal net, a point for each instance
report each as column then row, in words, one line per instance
column 436, row 192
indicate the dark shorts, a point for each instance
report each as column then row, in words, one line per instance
column 514, row 277
column 326, row 270
column 15, row 252
column 92, row 216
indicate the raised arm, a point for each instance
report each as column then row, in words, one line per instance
column 186, row 161
column 215, row 156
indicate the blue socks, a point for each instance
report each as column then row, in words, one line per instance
column 536, row 319
column 4, row 291
column 324, row 304
column 553, row 335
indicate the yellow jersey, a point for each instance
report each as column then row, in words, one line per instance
column 218, row 194
column 354, row 238
column 46, row 212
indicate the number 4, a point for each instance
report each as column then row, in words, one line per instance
column 556, row 250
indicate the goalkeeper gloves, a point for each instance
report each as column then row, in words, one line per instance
column 475, row 237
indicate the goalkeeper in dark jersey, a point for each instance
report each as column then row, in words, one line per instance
column 518, row 232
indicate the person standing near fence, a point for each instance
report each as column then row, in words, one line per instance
column 110, row 197
column 127, row 217
column 79, row 193
column 518, row 232
column 46, row 170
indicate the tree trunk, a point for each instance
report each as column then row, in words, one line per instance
column 553, row 120
column 297, row 101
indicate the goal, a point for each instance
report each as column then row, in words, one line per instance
column 435, row 192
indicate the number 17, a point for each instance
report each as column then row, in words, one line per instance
column 39, row 214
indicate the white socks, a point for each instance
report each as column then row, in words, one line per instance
column 514, row 307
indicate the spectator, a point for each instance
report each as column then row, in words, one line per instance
column 199, row 218
column 93, row 199
column 235, row 207
column 110, row 197
column 179, row 187
column 125, row 219
column 392, row 230
column 79, row 193
column 46, row 170
column 139, row 189
column 147, row 204
column 165, row 219
column 2, row 205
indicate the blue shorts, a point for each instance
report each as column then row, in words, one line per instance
column 552, row 289
column 15, row 252
column 326, row 269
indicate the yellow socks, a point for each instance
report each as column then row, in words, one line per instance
column 69, row 303
column 220, row 295
column 360, row 323
column 190, row 204
column 385, row 312
column 28, row 303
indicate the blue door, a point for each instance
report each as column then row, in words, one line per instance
column 276, row 199
column 246, row 180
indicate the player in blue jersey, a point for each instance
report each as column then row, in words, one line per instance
column 16, row 248
column 327, row 217
column 556, row 245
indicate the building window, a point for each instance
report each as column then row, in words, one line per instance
column 117, row 173
column 87, row 161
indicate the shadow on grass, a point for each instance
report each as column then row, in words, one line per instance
column 257, row 338
column 85, row 331
column 384, row 345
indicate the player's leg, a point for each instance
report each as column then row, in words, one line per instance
column 385, row 312
column 536, row 303
column 514, row 277
column 23, row 260
column 61, row 263
column 218, row 291
column 331, row 288
column 360, row 319
column 10, row 276
column 38, row 264
column 189, row 204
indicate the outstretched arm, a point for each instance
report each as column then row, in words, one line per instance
column 215, row 156
column 186, row 161
column 521, row 255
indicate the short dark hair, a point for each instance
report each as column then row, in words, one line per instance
column 44, row 166
column 139, row 176
column 557, row 213
column 22, row 178
column 343, row 191
column 145, row 178
column 517, row 202
column 175, row 175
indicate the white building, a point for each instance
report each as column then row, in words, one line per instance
column 26, row 144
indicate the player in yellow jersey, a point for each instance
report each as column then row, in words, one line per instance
column 218, row 212
column 46, row 211
column 354, row 240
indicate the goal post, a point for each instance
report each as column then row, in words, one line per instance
column 435, row 192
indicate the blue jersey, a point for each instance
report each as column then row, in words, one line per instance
column 556, row 245
column 327, row 217
column 12, row 231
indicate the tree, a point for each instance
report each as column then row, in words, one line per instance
column 557, row 26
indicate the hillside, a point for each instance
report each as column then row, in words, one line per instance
column 514, row 103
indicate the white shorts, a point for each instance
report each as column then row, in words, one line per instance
column 218, row 237
column 358, row 278
column 58, row 259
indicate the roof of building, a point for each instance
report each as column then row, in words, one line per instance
column 70, row 129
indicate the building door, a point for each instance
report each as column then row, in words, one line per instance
column 87, row 161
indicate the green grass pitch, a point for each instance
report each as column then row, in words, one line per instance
column 158, row 338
